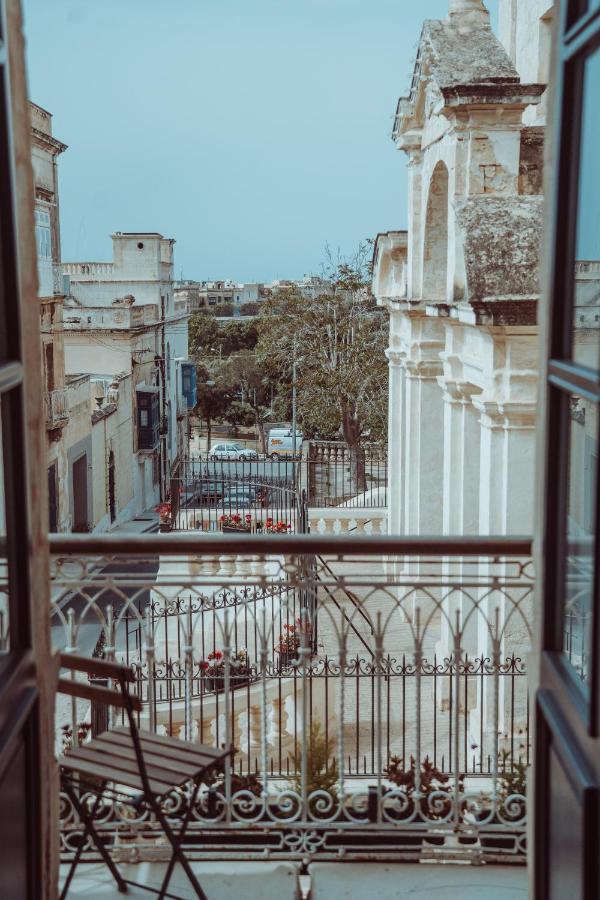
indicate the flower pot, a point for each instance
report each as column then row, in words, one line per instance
column 235, row 529
column 165, row 525
column 286, row 659
column 237, row 678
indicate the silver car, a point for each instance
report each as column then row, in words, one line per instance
column 227, row 450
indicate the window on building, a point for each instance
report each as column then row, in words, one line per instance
column 42, row 234
column 148, row 418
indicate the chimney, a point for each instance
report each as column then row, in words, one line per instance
column 467, row 15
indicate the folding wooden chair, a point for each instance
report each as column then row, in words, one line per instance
column 145, row 762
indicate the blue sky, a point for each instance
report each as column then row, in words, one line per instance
column 252, row 131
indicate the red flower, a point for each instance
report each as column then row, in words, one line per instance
column 236, row 518
column 223, row 518
column 248, row 517
column 204, row 665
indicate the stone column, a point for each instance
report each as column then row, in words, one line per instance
column 505, row 507
column 423, row 430
column 461, row 458
column 506, row 466
column 411, row 144
column 461, row 504
column 395, row 441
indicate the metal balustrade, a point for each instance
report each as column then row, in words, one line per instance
column 342, row 660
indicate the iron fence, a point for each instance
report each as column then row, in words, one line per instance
column 394, row 651
column 337, row 474
column 208, row 490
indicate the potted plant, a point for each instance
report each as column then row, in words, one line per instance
column 213, row 670
column 279, row 527
column 289, row 643
column 235, row 523
column 165, row 521
column 432, row 781
column 512, row 783
column 322, row 770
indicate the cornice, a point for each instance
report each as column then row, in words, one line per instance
column 47, row 142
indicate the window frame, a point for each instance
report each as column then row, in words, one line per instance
column 578, row 40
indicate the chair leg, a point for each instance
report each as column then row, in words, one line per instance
column 176, row 839
column 86, row 819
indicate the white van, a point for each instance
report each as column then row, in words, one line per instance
column 281, row 443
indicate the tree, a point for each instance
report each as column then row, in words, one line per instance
column 245, row 376
column 203, row 333
column 214, row 398
column 237, row 335
column 338, row 341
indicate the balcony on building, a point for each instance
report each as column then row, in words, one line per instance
column 57, row 408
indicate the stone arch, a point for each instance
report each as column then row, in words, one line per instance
column 435, row 242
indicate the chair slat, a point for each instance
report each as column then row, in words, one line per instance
column 149, row 737
column 198, row 754
column 104, row 773
column 94, row 666
column 120, row 768
column 106, row 696
column 171, row 768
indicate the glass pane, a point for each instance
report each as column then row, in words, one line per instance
column 581, row 529
column 4, row 636
column 586, row 314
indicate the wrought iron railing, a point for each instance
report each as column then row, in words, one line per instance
column 336, row 474
column 394, row 651
column 210, row 489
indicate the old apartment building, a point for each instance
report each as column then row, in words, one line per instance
column 117, row 383
column 122, row 321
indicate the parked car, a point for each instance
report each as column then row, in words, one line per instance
column 240, row 495
column 207, row 493
column 232, row 451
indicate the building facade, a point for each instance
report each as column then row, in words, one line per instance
column 462, row 284
column 45, row 150
column 123, row 321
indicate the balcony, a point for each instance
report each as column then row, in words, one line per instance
column 110, row 318
column 57, row 408
column 331, row 664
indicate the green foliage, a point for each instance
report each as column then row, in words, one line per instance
column 245, row 376
column 322, row 766
column 252, row 308
column 237, row 335
column 203, row 333
column 338, row 341
column 432, row 781
column 213, row 400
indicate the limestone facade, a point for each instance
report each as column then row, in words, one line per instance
column 461, row 285
column 122, row 319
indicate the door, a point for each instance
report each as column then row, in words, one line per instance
column 567, row 756
column 80, row 506
column 112, row 504
column 52, row 499
column 20, row 751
